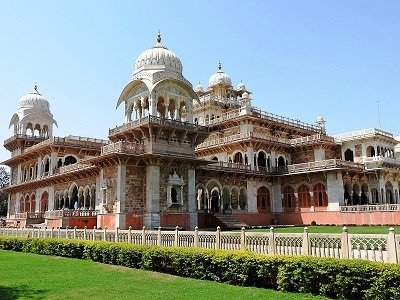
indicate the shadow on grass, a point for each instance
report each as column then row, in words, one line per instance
column 18, row 292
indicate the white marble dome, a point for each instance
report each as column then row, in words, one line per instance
column 219, row 78
column 199, row 88
column 34, row 100
column 158, row 57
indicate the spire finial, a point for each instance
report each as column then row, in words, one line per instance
column 159, row 37
column 219, row 65
column 36, row 87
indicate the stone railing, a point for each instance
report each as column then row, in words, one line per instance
column 123, row 147
column 374, row 247
column 157, row 120
column 256, row 112
column 295, row 168
column 370, row 207
column 27, row 215
column 361, row 134
column 315, row 138
column 56, row 214
column 380, row 160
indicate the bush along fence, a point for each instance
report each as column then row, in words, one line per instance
column 331, row 277
column 374, row 247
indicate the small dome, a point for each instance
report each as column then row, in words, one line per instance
column 158, row 57
column 320, row 119
column 219, row 78
column 241, row 86
column 34, row 99
column 199, row 88
column 245, row 95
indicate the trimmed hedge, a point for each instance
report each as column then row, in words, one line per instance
column 334, row 278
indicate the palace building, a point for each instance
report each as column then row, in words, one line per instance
column 196, row 157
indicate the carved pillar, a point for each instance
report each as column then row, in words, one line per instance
column 166, row 103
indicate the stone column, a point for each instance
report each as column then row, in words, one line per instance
column 51, row 198
column 250, row 157
column 153, row 104
column 39, row 169
column 251, row 195
column 189, row 116
column 276, row 197
column 296, row 201
column 151, row 218
column 334, row 190
column 19, row 174
column 121, row 184
column 191, row 185
column 53, row 162
column 166, row 103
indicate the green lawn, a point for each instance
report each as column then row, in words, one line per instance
column 332, row 229
column 30, row 276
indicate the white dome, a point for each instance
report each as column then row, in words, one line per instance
column 199, row 88
column 219, row 78
column 158, row 57
column 34, row 100
column 320, row 119
column 241, row 86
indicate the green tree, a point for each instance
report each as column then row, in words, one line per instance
column 4, row 181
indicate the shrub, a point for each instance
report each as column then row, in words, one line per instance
column 334, row 278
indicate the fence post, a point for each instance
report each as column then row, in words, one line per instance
column 159, row 236
column 272, row 243
column 105, row 233
column 33, row 232
column 242, row 239
column 66, row 232
column 391, row 246
column 94, row 233
column 59, row 232
column 51, row 232
column 345, row 243
column 130, row 235
column 144, row 235
column 39, row 232
column 218, row 238
column 74, row 232
column 306, row 242
column 196, row 236
column 45, row 232
column 84, row 233
column 116, row 238
column 176, row 241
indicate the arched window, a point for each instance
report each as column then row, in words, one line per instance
column 281, row 161
column 261, row 159
column 370, row 151
column 263, row 199
column 238, row 158
column 44, row 202
column 174, row 195
column 348, row 155
column 69, row 160
column 304, row 196
column 288, row 197
column 319, row 195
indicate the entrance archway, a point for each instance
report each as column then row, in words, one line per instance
column 215, row 201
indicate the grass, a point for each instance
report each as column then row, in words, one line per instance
column 332, row 229
column 31, row 276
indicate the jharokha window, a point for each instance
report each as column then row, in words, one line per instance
column 289, row 199
column 320, row 196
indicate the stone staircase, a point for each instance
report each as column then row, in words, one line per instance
column 230, row 221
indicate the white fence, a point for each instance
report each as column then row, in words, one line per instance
column 374, row 247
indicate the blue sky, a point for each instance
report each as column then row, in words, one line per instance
column 301, row 59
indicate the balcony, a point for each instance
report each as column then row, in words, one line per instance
column 380, row 161
column 358, row 134
column 123, row 147
column 153, row 120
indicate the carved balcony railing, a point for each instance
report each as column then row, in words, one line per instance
column 55, row 214
column 157, row 120
column 361, row 134
column 370, row 207
column 123, row 147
